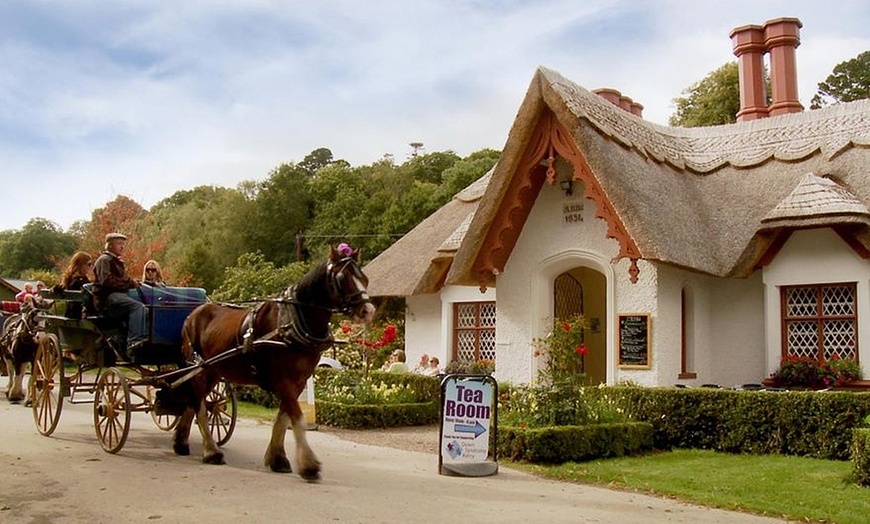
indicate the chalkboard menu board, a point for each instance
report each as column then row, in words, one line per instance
column 634, row 340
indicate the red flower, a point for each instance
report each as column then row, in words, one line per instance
column 581, row 349
column 566, row 326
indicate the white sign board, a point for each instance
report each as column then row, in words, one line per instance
column 466, row 421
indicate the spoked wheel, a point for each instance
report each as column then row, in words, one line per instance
column 222, row 410
column 164, row 422
column 112, row 410
column 47, row 384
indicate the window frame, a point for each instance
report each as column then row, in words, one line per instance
column 820, row 318
column 477, row 329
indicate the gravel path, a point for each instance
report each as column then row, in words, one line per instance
column 423, row 439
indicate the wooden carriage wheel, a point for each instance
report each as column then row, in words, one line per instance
column 164, row 422
column 222, row 411
column 47, row 384
column 112, row 410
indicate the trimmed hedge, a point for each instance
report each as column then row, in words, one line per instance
column 861, row 457
column 355, row 416
column 555, row 445
column 805, row 423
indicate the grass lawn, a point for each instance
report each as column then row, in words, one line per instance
column 782, row 486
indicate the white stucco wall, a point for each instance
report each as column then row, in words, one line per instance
column 546, row 247
column 816, row 256
column 727, row 331
column 429, row 321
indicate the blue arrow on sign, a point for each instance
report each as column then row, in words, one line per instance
column 478, row 429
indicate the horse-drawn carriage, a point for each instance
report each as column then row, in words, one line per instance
column 81, row 357
column 195, row 350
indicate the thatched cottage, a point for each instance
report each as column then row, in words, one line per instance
column 700, row 255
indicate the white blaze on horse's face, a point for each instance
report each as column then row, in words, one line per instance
column 368, row 308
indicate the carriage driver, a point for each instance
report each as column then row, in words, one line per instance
column 110, row 291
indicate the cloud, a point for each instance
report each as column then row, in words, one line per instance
column 99, row 99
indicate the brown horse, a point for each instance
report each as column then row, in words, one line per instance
column 281, row 341
column 18, row 341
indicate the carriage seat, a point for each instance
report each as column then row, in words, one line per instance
column 10, row 306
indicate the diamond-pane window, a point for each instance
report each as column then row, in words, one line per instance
column 820, row 321
column 474, row 331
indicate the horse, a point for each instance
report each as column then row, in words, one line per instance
column 18, row 342
column 278, row 345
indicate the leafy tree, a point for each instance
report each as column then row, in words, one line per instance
column 849, row 81
column 126, row 216
column 461, row 174
column 315, row 160
column 281, row 210
column 253, row 277
column 713, row 100
column 429, row 167
column 205, row 227
column 39, row 245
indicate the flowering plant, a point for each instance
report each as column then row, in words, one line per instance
column 483, row 366
column 368, row 348
column 814, row 373
column 564, row 349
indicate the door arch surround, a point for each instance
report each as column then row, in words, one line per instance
column 542, row 311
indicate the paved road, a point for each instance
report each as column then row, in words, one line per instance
column 67, row 478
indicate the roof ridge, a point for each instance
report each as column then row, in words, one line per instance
column 787, row 137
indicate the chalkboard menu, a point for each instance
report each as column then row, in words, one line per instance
column 634, row 340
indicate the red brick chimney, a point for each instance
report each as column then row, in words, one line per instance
column 619, row 100
column 748, row 44
column 779, row 37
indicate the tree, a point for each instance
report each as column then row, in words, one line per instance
column 849, row 81
column 714, row 100
column 39, row 245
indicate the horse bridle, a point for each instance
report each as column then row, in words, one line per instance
column 293, row 327
column 345, row 303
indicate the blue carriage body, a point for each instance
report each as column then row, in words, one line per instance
column 166, row 310
column 168, row 307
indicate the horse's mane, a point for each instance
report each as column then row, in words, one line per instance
column 309, row 286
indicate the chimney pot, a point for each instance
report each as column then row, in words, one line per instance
column 782, row 37
column 749, row 46
column 619, row 100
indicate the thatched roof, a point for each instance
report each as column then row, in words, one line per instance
column 717, row 200
column 418, row 262
column 691, row 197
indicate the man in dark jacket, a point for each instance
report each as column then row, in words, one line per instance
column 110, row 291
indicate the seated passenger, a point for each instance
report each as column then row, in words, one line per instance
column 110, row 291
column 76, row 274
column 152, row 275
column 22, row 295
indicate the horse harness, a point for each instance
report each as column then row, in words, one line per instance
column 292, row 326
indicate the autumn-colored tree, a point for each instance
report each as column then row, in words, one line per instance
column 123, row 215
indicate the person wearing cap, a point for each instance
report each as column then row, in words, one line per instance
column 110, row 291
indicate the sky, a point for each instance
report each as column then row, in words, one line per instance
column 143, row 98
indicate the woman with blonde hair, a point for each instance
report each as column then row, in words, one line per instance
column 152, row 275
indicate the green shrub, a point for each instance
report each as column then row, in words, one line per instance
column 804, row 423
column 861, row 457
column 555, row 445
column 375, row 415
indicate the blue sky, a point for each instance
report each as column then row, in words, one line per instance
column 143, row 98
